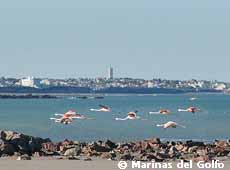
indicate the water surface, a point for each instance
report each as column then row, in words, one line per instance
column 31, row 116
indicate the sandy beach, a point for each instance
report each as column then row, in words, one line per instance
column 73, row 165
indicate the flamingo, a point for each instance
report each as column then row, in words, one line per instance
column 193, row 98
column 62, row 120
column 131, row 116
column 68, row 117
column 161, row 111
column 190, row 109
column 169, row 124
column 102, row 109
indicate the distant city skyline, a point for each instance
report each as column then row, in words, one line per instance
column 176, row 40
column 108, row 74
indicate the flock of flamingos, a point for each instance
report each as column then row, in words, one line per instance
column 68, row 117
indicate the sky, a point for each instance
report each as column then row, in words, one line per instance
column 140, row 38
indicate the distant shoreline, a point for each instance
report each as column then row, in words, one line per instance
column 83, row 95
column 86, row 95
column 109, row 90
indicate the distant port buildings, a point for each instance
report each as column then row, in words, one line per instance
column 109, row 85
column 105, row 85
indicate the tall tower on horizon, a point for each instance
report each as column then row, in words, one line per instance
column 110, row 73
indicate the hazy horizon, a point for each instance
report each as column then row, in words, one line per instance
column 176, row 40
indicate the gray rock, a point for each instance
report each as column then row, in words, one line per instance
column 111, row 144
column 126, row 156
column 87, row 159
column 106, row 155
column 73, row 151
column 24, row 157
column 73, row 158
column 192, row 149
column 7, row 149
column 201, row 152
column 99, row 148
column 191, row 143
column 7, row 135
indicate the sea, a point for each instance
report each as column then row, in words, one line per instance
column 31, row 116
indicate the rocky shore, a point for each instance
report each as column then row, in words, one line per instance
column 24, row 147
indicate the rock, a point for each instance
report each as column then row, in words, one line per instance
column 172, row 143
column 73, row 151
column 7, row 135
column 221, row 143
column 86, row 150
column 221, row 151
column 35, row 144
column 23, row 146
column 185, row 149
column 154, row 141
column 106, row 155
column 163, row 155
column 111, row 144
column 73, row 158
column 201, row 152
column 127, row 145
column 23, row 157
column 192, row 149
column 152, row 157
column 17, row 154
column 191, row 143
column 7, row 149
column 145, row 145
column 99, row 148
column 163, row 146
column 173, row 149
column 138, row 156
column 126, row 156
column 179, row 147
column 202, row 158
column 76, row 143
column 37, row 154
column 173, row 152
column 60, row 157
column 87, row 159
column 49, row 148
column 188, row 156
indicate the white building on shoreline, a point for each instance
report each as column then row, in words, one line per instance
column 29, row 82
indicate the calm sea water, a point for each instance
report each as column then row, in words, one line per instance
column 31, row 116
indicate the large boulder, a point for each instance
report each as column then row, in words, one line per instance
column 22, row 144
column 8, row 135
column 7, row 149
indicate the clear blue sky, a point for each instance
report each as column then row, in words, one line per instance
column 69, row 38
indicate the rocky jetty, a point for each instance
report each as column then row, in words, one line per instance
column 27, row 96
column 26, row 147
